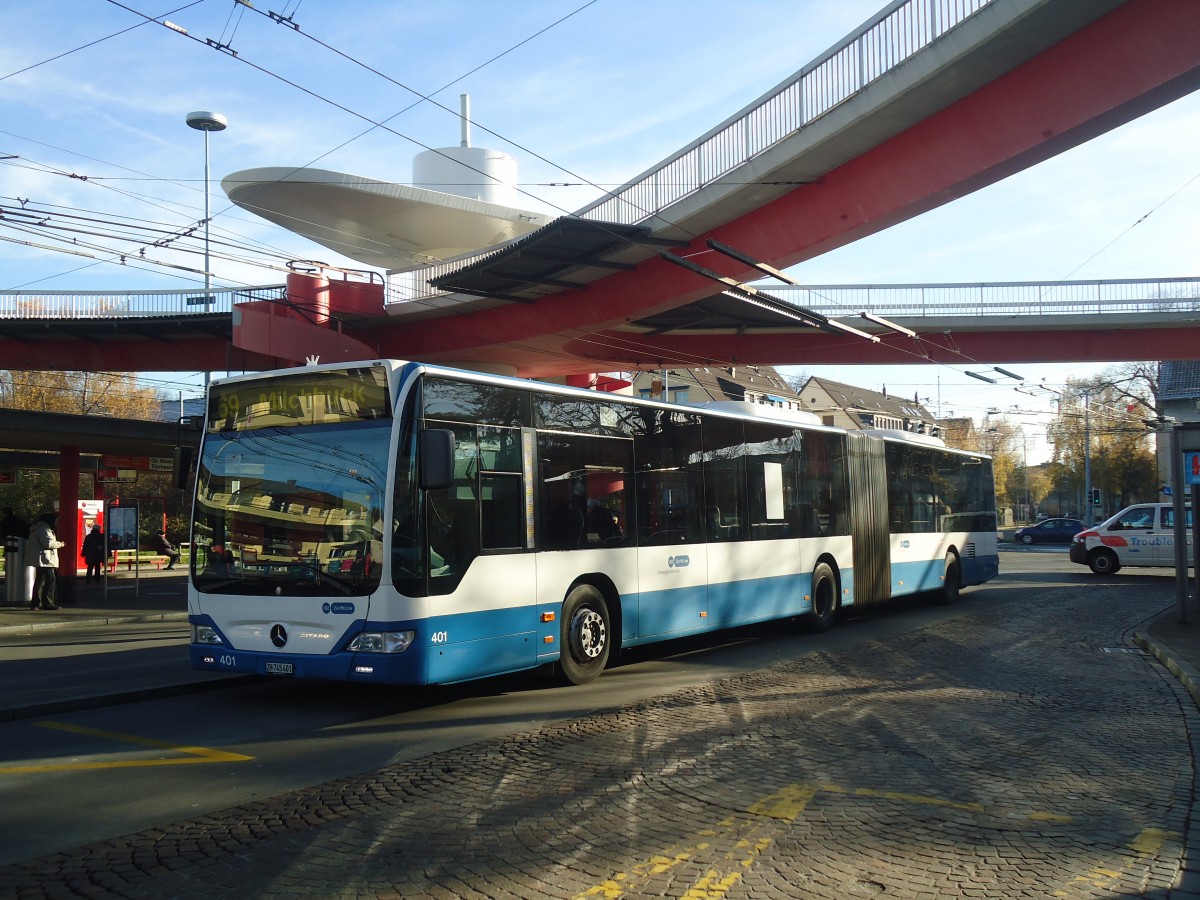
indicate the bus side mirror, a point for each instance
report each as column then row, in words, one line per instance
column 437, row 458
column 182, row 466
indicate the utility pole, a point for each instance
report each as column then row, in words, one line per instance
column 1087, row 457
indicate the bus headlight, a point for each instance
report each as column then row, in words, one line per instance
column 382, row 641
column 204, row 634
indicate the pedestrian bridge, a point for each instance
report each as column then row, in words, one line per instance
column 1144, row 318
column 926, row 102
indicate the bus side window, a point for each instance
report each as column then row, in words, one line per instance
column 584, row 490
column 670, row 480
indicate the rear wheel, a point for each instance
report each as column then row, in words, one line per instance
column 1104, row 562
column 824, row 601
column 586, row 635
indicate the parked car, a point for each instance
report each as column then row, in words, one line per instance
column 1049, row 531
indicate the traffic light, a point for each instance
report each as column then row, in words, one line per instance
column 1095, row 496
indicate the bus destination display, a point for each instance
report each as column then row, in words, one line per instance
column 319, row 398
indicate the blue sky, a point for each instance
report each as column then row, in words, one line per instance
column 93, row 100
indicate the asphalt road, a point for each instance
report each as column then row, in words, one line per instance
column 894, row 703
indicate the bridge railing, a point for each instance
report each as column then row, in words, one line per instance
column 895, row 34
column 126, row 304
column 892, row 36
column 1132, row 296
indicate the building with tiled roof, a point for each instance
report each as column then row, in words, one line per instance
column 847, row 406
column 751, row 384
column 1179, row 399
column 1179, row 389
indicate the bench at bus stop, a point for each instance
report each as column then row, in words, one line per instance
column 132, row 557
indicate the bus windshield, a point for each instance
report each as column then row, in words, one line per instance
column 291, row 511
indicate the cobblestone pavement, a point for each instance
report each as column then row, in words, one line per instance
column 1020, row 750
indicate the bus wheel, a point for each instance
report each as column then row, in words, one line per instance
column 1104, row 562
column 951, row 581
column 824, row 601
column 586, row 635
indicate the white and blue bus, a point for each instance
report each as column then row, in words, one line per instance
column 402, row 523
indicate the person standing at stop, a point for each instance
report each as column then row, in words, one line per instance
column 93, row 552
column 41, row 552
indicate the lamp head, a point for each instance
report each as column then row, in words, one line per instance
column 202, row 120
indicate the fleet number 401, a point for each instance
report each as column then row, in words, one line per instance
column 440, row 637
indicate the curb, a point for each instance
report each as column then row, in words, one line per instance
column 100, row 619
column 98, row 701
column 1186, row 673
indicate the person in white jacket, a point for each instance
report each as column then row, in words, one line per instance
column 41, row 552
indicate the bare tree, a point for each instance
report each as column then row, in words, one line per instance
column 1100, row 431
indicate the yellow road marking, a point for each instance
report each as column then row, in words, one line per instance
column 1049, row 817
column 1150, row 841
column 786, row 804
column 193, row 755
column 1145, row 845
column 918, row 799
column 740, row 833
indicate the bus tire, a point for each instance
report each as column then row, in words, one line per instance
column 585, row 634
column 951, row 581
column 824, row 601
column 1104, row 562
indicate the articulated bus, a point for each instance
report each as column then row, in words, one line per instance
column 402, row 523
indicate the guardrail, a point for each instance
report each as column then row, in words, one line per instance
column 894, row 35
column 127, row 304
column 1131, row 296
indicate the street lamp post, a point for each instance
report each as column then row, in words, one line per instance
column 207, row 121
column 203, row 120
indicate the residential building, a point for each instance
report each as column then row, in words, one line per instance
column 751, row 384
column 846, row 406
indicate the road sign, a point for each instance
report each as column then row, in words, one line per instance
column 1191, row 467
column 109, row 475
column 140, row 463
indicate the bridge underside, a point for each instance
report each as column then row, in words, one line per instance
column 1082, row 344
column 1136, row 58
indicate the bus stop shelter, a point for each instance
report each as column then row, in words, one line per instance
column 73, row 444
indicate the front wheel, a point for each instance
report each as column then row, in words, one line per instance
column 951, row 581
column 824, row 601
column 1027, row 539
column 586, row 635
column 1104, row 562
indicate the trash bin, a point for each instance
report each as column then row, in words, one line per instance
column 18, row 577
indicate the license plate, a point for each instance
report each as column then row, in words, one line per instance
column 279, row 668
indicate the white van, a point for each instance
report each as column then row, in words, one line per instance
column 1141, row 535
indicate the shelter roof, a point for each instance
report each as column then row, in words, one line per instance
column 1179, row 379
column 567, row 253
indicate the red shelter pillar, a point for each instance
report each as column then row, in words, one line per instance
column 67, row 527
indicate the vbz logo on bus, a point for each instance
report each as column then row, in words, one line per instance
column 678, row 562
